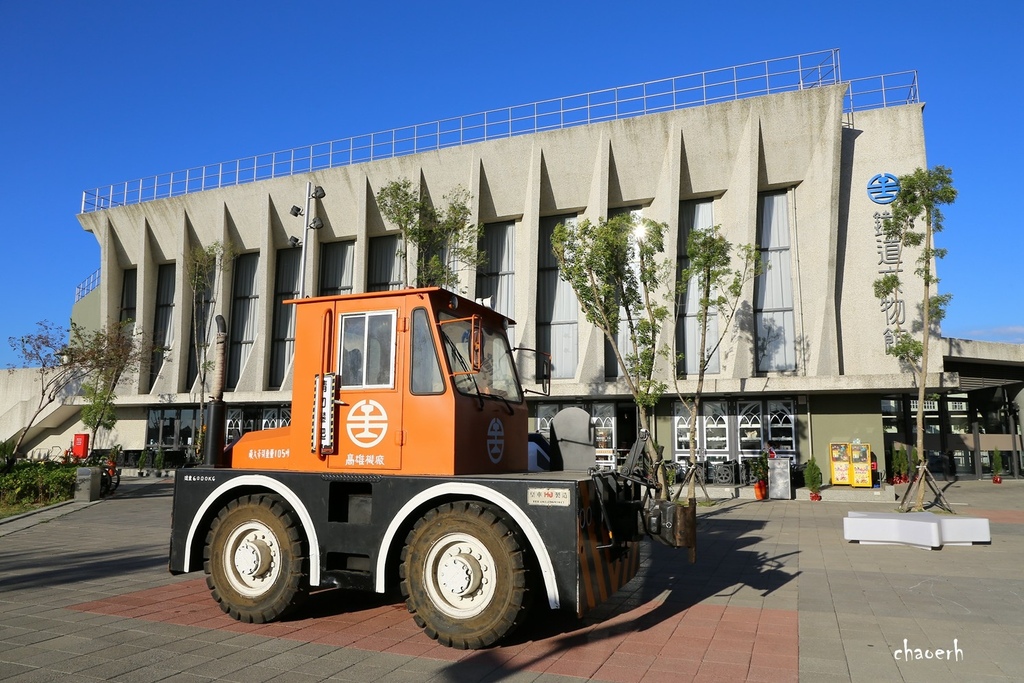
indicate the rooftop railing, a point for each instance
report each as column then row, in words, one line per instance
column 786, row 74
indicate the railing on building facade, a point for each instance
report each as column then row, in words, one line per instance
column 87, row 285
column 785, row 74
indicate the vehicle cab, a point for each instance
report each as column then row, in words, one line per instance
column 418, row 381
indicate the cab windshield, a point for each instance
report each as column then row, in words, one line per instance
column 497, row 376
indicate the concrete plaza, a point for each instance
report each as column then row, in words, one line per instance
column 776, row 595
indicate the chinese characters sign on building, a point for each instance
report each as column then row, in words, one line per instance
column 882, row 189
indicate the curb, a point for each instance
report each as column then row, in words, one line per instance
column 45, row 508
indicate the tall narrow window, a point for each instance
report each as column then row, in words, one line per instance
column 773, row 301
column 693, row 215
column 336, row 268
column 286, row 286
column 163, row 320
column 128, row 295
column 495, row 280
column 244, row 315
column 385, row 267
column 556, row 306
column 202, row 317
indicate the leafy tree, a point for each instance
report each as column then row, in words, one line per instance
column 106, row 354
column 718, row 289
column 614, row 269
column 916, row 217
column 445, row 237
column 44, row 350
column 61, row 364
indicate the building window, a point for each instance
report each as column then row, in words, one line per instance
column 202, row 319
column 495, row 279
column 385, row 267
column 557, row 306
column 693, row 215
column 336, row 268
column 750, row 429
column 128, row 295
column 368, row 350
column 782, row 427
column 163, row 320
column 244, row 315
column 251, row 418
column 545, row 413
column 776, row 332
column 683, row 419
column 286, row 286
column 171, row 428
column 716, row 429
column 275, row 417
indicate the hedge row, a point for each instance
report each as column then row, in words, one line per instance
column 37, row 483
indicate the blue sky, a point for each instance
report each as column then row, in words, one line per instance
column 98, row 93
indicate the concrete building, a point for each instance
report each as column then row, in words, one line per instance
column 784, row 154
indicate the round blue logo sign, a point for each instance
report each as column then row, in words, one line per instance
column 883, row 188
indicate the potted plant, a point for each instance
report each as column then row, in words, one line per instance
column 158, row 462
column 759, row 475
column 997, row 466
column 143, row 462
column 812, row 478
column 900, row 467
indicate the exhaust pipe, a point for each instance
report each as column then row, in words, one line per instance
column 216, row 412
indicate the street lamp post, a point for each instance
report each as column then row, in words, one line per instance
column 315, row 224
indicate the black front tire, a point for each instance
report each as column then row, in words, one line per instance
column 466, row 576
column 256, row 560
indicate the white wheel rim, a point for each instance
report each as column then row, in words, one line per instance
column 459, row 576
column 252, row 559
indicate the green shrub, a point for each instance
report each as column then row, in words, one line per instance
column 37, row 483
column 997, row 462
column 812, row 476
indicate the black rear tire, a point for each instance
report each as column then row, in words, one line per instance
column 465, row 575
column 256, row 560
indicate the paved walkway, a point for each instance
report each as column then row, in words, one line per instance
column 776, row 595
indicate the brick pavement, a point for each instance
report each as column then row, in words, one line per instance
column 85, row 595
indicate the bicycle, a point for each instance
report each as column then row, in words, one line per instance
column 110, row 473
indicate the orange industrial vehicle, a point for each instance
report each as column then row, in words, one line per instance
column 406, row 464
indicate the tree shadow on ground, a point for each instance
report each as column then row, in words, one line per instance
column 726, row 564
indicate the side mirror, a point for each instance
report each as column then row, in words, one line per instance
column 476, row 351
column 542, row 372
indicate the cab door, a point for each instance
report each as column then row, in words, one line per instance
column 369, row 435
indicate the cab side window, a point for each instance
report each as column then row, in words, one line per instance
column 424, row 366
column 368, row 350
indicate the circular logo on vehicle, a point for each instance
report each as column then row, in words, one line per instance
column 367, row 423
column 495, row 440
column 883, row 188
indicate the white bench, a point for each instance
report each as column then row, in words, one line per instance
column 918, row 529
